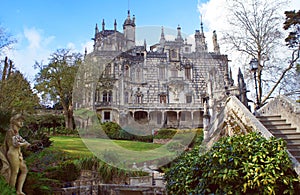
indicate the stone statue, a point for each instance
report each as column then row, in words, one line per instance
column 11, row 156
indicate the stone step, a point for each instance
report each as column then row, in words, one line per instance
column 282, row 131
column 269, row 117
column 288, row 136
column 294, row 152
column 280, row 127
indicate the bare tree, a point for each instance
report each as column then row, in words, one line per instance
column 256, row 30
column 6, row 39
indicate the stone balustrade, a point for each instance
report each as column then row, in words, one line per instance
column 282, row 105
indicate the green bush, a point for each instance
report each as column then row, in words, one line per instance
column 111, row 129
column 165, row 134
column 114, row 131
column 244, row 164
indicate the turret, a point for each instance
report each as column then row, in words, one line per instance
column 129, row 30
column 200, row 43
column 179, row 37
column 115, row 25
column 103, row 25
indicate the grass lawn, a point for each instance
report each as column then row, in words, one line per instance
column 127, row 151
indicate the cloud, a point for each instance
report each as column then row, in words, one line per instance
column 33, row 37
column 32, row 45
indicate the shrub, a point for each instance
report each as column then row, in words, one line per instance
column 244, row 164
column 165, row 134
column 111, row 129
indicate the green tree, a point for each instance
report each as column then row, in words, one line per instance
column 56, row 80
column 16, row 95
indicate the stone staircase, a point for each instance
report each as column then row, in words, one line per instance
column 281, row 129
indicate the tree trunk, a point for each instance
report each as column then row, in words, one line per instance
column 69, row 119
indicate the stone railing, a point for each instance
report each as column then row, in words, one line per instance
column 236, row 118
column 282, row 105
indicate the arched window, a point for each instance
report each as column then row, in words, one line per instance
column 126, row 71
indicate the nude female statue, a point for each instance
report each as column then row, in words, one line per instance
column 12, row 144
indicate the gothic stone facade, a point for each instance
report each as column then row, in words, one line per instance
column 169, row 85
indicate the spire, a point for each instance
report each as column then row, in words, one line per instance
column 103, row 25
column 201, row 24
column 145, row 44
column 128, row 14
column 162, row 36
column 201, row 45
column 115, row 25
column 96, row 29
column 179, row 37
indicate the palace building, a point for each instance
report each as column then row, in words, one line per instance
column 169, row 85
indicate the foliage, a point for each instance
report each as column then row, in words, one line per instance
column 57, row 78
column 292, row 23
column 107, row 173
column 5, row 188
column 165, row 134
column 244, row 164
column 65, row 171
column 114, row 131
column 39, row 164
column 15, row 91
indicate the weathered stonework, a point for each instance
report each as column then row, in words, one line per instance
column 283, row 106
column 166, row 86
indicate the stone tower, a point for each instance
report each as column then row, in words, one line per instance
column 129, row 31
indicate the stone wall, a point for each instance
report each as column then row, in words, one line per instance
column 281, row 105
column 236, row 116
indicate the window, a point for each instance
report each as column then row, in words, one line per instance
column 107, row 96
column 163, row 99
column 106, row 116
column 126, row 73
column 104, row 97
column 110, row 97
column 188, row 99
column 188, row 73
